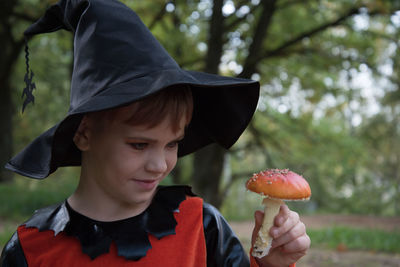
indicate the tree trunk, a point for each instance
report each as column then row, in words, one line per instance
column 5, row 129
column 208, row 162
column 208, row 167
column 8, row 56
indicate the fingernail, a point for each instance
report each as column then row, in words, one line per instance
column 274, row 233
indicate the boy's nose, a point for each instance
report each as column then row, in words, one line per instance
column 157, row 163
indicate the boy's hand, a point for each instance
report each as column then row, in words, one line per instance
column 290, row 240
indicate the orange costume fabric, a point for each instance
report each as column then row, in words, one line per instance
column 185, row 248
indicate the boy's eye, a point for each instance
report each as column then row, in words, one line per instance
column 173, row 144
column 138, row 146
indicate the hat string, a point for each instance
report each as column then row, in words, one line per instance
column 29, row 85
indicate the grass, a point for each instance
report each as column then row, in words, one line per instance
column 19, row 208
column 347, row 238
column 6, row 233
column 22, row 197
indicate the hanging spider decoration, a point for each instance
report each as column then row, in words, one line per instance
column 27, row 92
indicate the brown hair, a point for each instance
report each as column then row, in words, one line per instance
column 174, row 103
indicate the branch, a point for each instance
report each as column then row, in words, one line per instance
column 310, row 33
column 259, row 142
column 382, row 35
column 291, row 3
column 247, row 174
column 302, row 50
column 215, row 38
column 241, row 3
column 24, row 16
column 158, row 17
column 259, row 36
column 238, row 20
column 234, row 177
column 188, row 63
column 249, row 146
column 239, row 175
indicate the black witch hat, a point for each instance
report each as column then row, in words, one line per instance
column 117, row 61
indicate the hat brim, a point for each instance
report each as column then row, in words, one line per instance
column 223, row 107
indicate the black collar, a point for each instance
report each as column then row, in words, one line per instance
column 130, row 235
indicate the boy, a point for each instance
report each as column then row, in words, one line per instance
column 132, row 112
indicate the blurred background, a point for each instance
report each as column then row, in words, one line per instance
column 329, row 110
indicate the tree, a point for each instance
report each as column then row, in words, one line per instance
column 11, row 48
column 382, row 133
column 266, row 43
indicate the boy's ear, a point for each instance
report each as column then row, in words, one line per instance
column 82, row 135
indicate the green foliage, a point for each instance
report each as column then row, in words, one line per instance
column 355, row 239
column 311, row 95
column 22, row 197
column 318, row 150
column 240, row 204
column 5, row 234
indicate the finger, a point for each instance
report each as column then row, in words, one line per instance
column 300, row 244
column 297, row 231
column 291, row 221
column 282, row 216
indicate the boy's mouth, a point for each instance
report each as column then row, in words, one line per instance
column 146, row 184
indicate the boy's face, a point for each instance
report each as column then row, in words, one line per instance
column 123, row 163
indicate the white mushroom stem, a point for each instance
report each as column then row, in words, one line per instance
column 263, row 241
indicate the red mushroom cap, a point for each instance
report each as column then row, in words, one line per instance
column 279, row 184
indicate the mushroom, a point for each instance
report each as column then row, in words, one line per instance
column 276, row 186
